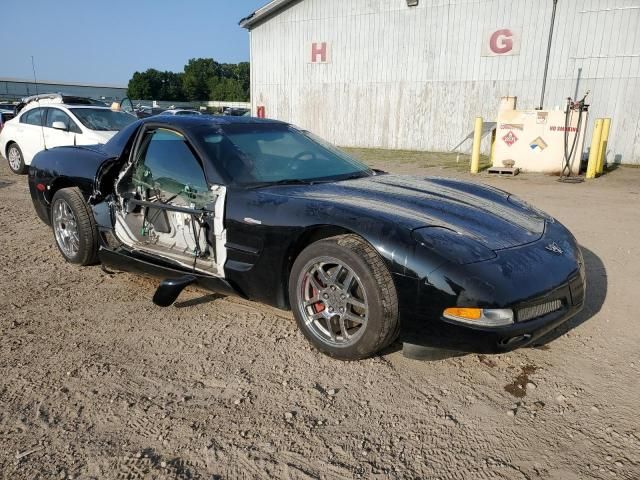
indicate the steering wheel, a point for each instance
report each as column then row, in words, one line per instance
column 293, row 164
column 300, row 155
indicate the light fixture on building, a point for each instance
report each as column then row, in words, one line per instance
column 412, row 3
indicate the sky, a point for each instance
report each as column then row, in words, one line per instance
column 105, row 41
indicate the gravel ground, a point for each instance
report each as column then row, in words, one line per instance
column 97, row 382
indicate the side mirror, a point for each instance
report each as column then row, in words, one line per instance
column 126, row 105
column 60, row 126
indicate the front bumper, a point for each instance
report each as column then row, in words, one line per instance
column 523, row 279
column 504, row 339
column 443, row 333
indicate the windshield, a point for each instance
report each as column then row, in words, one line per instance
column 255, row 154
column 103, row 119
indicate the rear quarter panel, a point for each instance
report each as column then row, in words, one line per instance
column 63, row 167
column 6, row 135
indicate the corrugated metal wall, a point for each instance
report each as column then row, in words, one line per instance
column 414, row 78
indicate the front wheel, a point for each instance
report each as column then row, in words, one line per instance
column 343, row 298
column 16, row 160
column 74, row 227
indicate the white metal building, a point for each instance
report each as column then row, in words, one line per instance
column 381, row 73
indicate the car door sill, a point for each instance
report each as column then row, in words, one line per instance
column 122, row 260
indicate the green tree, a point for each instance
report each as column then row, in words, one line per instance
column 244, row 77
column 226, row 89
column 171, row 86
column 203, row 79
column 155, row 85
column 145, row 85
column 197, row 74
column 239, row 73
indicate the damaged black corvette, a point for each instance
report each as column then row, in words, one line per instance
column 261, row 209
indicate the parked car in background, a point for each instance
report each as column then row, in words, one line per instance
column 8, row 106
column 48, row 121
column 146, row 111
column 237, row 112
column 143, row 111
column 5, row 116
column 181, row 111
column 138, row 111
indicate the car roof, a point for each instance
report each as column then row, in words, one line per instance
column 100, row 107
column 32, row 105
column 187, row 121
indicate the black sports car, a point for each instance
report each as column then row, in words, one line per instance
column 261, row 209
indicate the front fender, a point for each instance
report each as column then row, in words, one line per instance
column 263, row 230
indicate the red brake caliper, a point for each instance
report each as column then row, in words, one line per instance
column 319, row 306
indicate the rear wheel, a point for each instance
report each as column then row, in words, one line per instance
column 343, row 298
column 74, row 227
column 16, row 160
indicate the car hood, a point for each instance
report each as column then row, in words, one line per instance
column 488, row 215
column 102, row 136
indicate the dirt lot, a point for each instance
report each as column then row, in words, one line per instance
column 97, row 382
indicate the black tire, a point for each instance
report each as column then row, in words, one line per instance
column 87, row 232
column 13, row 150
column 373, row 277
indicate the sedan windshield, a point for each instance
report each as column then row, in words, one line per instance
column 263, row 154
column 103, row 119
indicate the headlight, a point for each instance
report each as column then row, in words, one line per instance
column 485, row 317
column 453, row 246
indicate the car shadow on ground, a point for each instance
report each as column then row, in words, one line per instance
column 595, row 295
column 198, row 301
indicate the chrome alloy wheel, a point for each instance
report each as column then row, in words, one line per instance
column 333, row 301
column 14, row 157
column 65, row 228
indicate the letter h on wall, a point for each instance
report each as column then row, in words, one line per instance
column 319, row 52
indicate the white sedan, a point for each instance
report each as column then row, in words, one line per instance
column 42, row 126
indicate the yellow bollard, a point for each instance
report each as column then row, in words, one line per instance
column 595, row 149
column 475, row 152
column 604, row 140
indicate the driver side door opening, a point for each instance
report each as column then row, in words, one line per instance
column 165, row 206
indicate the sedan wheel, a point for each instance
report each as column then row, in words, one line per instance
column 343, row 297
column 15, row 159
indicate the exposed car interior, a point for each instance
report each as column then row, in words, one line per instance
column 167, row 207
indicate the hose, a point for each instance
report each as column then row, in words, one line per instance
column 565, row 175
